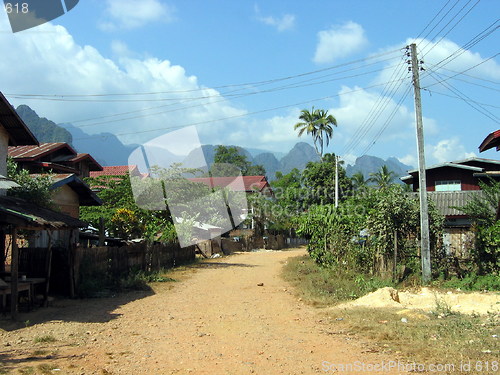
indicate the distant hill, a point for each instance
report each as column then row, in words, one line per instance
column 106, row 148
column 43, row 129
column 298, row 157
column 269, row 162
column 370, row 164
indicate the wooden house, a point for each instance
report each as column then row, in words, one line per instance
column 452, row 185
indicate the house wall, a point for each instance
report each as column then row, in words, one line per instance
column 4, row 143
column 66, row 199
column 469, row 182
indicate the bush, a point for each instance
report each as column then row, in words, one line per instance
column 474, row 282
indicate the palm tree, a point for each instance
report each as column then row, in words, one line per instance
column 358, row 181
column 318, row 123
column 383, row 178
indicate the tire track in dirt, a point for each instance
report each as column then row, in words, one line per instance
column 217, row 320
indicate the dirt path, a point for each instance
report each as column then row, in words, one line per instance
column 217, row 320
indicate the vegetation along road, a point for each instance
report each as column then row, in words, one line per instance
column 232, row 315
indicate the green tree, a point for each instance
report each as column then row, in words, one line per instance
column 483, row 208
column 359, row 183
column 319, row 124
column 33, row 188
column 228, row 157
column 383, row 178
column 318, row 180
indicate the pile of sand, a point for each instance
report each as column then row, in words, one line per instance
column 431, row 300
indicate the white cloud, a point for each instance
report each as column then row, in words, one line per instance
column 286, row 22
column 339, row 41
column 448, row 150
column 409, row 159
column 55, row 63
column 131, row 14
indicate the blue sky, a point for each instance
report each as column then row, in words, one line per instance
column 242, row 71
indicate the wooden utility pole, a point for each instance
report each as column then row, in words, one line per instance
column 336, row 181
column 425, row 250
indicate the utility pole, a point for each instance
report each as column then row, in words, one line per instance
column 336, row 181
column 425, row 251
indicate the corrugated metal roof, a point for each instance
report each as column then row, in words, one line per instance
column 19, row 153
column 20, row 212
column 446, row 200
column 19, row 133
column 491, row 140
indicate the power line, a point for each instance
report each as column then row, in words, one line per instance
column 457, row 97
column 455, row 25
column 471, row 103
column 222, row 99
column 242, row 115
column 255, row 83
column 459, row 73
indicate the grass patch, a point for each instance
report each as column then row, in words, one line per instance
column 325, row 286
column 46, row 368
column 454, row 339
column 40, row 352
column 45, row 339
column 442, row 337
column 473, row 282
column 140, row 280
column 27, row 371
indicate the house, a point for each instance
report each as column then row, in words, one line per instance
column 247, row 184
column 58, row 157
column 491, row 140
column 451, row 185
column 17, row 214
column 13, row 132
column 68, row 168
column 461, row 175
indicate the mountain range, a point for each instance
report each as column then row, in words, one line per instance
column 107, row 149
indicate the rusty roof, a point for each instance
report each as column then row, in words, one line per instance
column 26, row 153
column 19, row 133
column 491, row 140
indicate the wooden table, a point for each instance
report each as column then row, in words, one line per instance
column 21, row 286
column 27, row 284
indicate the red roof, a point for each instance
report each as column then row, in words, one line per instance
column 36, row 152
column 245, row 183
column 116, row 170
column 492, row 140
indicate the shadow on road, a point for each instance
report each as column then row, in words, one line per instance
column 91, row 310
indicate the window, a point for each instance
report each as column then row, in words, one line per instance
column 448, row 185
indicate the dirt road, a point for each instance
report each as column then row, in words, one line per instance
column 216, row 320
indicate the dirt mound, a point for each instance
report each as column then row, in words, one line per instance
column 431, row 300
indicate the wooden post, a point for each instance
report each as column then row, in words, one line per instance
column 49, row 267
column 71, row 262
column 14, row 274
column 3, row 251
column 101, row 232
column 394, row 266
